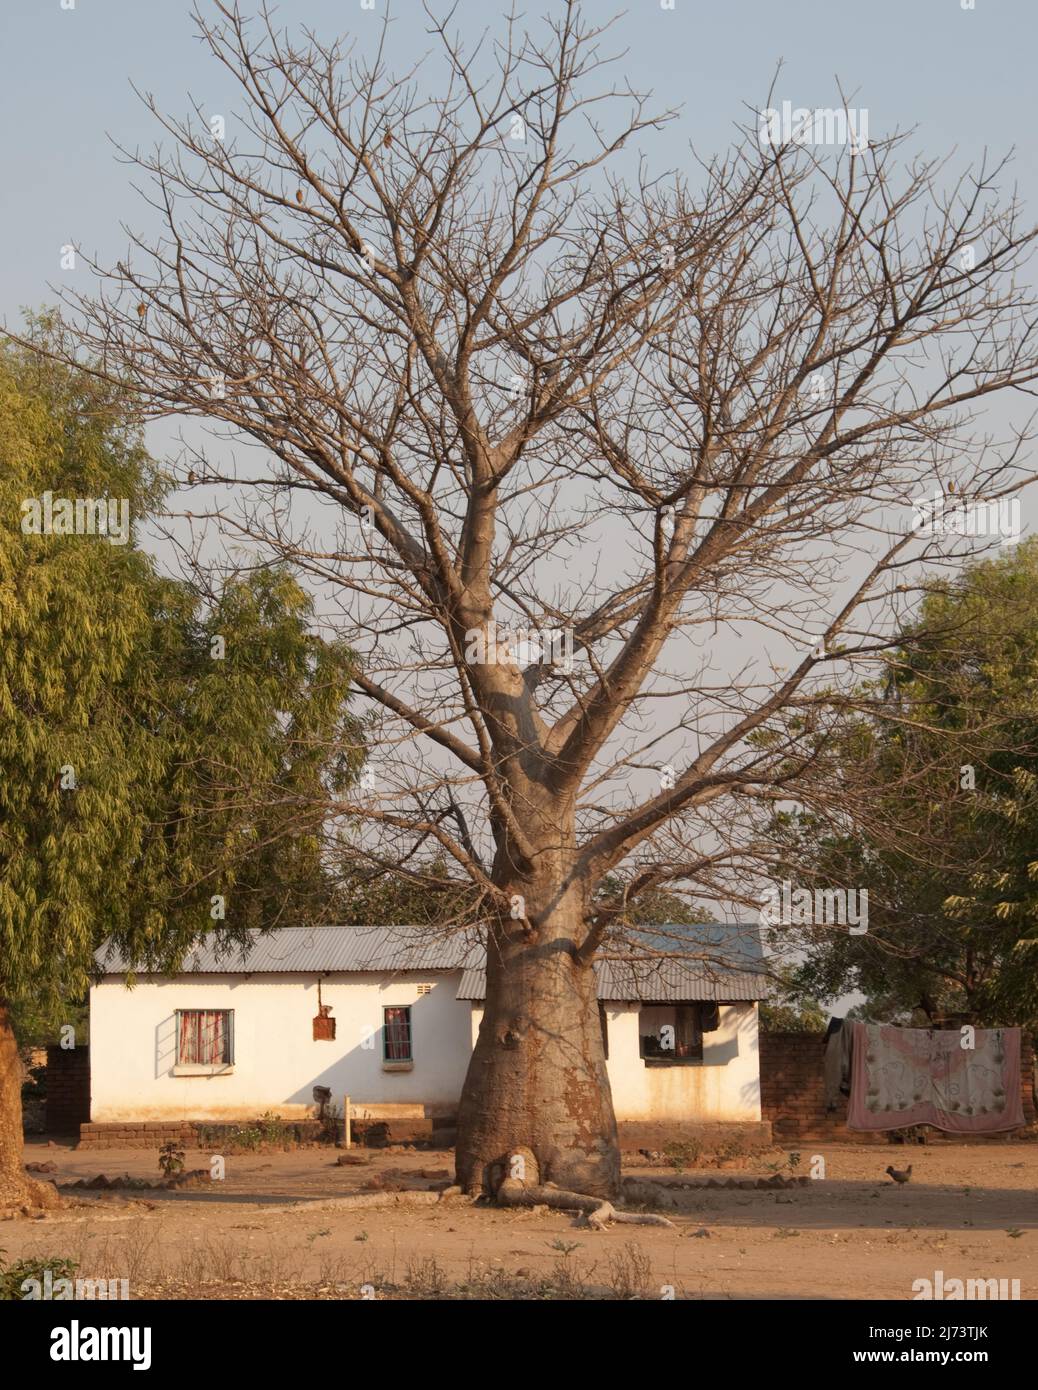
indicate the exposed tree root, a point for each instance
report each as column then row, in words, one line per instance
column 364, row 1201
column 518, row 1185
column 597, row 1212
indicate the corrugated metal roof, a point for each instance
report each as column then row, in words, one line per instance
column 674, row 980
column 731, row 966
column 671, row 984
column 312, row 949
column 473, row 984
column 653, row 981
column 727, row 945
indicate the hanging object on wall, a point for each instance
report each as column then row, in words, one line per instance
column 324, row 1024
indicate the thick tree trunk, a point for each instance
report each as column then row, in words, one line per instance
column 17, row 1189
column 537, row 1078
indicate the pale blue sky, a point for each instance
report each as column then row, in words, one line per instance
column 964, row 78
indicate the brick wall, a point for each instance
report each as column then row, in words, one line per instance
column 205, row 1134
column 710, row 1135
column 136, row 1135
column 793, row 1095
column 190, row 1134
column 68, row 1089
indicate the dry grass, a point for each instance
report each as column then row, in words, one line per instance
column 219, row 1267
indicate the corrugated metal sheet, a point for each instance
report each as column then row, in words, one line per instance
column 731, row 945
column 723, row 961
column 312, row 949
column 699, row 961
column 733, row 970
column 672, row 980
column 658, row 981
column 473, row 984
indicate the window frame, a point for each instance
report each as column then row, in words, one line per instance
column 223, row 1068
column 398, row 1063
column 663, row 1058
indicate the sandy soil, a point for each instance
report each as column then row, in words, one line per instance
column 970, row 1210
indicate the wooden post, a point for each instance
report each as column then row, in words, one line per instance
column 347, row 1132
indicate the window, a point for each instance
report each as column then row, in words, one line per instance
column 396, row 1035
column 205, row 1037
column 670, row 1034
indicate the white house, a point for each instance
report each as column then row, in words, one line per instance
column 389, row 1015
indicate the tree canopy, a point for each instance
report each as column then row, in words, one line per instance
column 168, row 755
column 949, row 848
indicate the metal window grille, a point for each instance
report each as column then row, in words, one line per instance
column 396, row 1035
column 205, row 1037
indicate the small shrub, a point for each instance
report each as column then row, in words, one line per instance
column 171, row 1159
column 331, row 1121
column 35, row 1085
column 424, row 1276
column 730, row 1148
column 683, row 1153
column 630, row 1273
column 245, row 1137
column 12, row 1277
column 272, row 1127
column 564, row 1247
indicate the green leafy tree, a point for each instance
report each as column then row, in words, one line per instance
column 648, row 907
column 158, row 783
column 788, row 1011
column 947, row 778
column 368, row 893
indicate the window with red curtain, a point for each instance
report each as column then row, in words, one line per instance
column 204, row 1037
column 396, row 1035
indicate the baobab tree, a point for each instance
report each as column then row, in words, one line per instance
column 609, row 474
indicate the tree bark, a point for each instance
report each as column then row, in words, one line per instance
column 17, row 1188
column 537, row 1077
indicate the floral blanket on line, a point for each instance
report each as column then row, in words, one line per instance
column 915, row 1076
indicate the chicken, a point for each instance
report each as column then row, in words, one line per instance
column 900, row 1175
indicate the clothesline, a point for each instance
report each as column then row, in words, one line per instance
column 964, row 1082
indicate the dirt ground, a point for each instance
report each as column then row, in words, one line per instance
column 264, row 1231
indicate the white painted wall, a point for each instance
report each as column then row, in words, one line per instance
column 724, row 1086
column 277, row 1062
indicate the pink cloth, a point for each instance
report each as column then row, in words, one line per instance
column 914, row 1076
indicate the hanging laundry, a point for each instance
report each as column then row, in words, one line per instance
column 919, row 1076
column 837, row 1065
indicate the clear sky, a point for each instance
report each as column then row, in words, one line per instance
column 965, row 78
